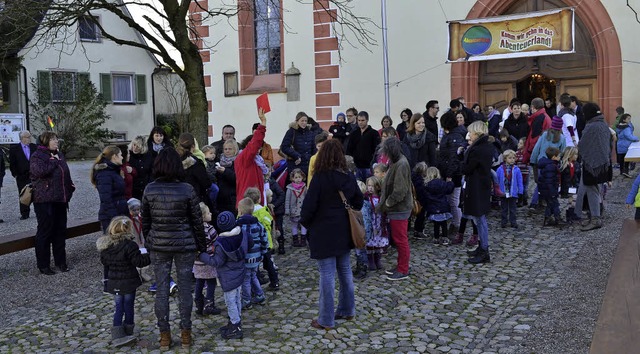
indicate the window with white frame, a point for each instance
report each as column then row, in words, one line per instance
column 88, row 29
column 122, row 88
column 63, row 86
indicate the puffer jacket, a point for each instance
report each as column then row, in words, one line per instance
column 142, row 163
column 111, row 186
column 228, row 258
column 625, row 137
column 171, row 218
column 278, row 197
column 548, row 178
column 436, row 199
column 449, row 163
column 253, row 230
column 195, row 173
column 120, row 255
column 299, row 143
column 50, row 177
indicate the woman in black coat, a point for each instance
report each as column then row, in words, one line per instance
column 478, row 181
column 157, row 141
column 107, row 179
column 226, row 174
column 141, row 160
column 195, row 173
column 324, row 215
column 422, row 143
column 298, row 143
column 516, row 124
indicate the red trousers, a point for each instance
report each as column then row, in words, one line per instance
column 401, row 240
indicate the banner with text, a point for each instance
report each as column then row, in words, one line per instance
column 512, row 36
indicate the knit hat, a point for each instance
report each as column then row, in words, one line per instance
column 341, row 114
column 226, row 221
column 556, row 123
column 133, row 203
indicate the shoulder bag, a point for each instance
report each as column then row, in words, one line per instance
column 282, row 154
column 26, row 195
column 417, row 208
column 356, row 222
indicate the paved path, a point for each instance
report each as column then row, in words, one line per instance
column 541, row 293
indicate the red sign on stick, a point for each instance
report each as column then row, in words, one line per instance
column 263, row 102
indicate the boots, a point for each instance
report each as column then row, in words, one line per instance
column 474, row 252
column 234, row 331
column 128, row 329
column 377, row 258
column 199, row 306
column 119, row 337
column 595, row 223
column 211, row 309
column 185, row 338
column 281, row 245
column 372, row 262
column 473, row 240
column 224, row 328
column 165, row 340
column 457, row 239
column 361, row 270
column 481, row 257
column 303, row 241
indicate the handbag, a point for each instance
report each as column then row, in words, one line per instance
column 417, row 207
column 282, row 154
column 356, row 223
column 26, row 195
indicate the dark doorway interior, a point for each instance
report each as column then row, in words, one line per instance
column 536, row 85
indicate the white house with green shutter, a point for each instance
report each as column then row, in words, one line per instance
column 121, row 73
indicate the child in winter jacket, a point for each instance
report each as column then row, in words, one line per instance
column 206, row 274
column 277, row 207
column 339, row 128
column 210, row 158
column 228, row 258
column 264, row 216
column 524, row 170
column 296, row 191
column 510, row 180
column 252, row 229
column 376, row 224
column 634, row 197
column 624, row 130
column 436, row 204
column 120, row 256
column 548, row 175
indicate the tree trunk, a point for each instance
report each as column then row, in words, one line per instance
column 198, row 121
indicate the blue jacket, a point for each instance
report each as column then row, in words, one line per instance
column 433, row 195
column 517, row 188
column 299, row 143
column 631, row 198
column 548, row 171
column 258, row 244
column 625, row 137
column 540, row 150
column 110, row 185
column 228, row 258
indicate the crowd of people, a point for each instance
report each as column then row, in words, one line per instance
column 218, row 212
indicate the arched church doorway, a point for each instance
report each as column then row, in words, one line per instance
column 546, row 77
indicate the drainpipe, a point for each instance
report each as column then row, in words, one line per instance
column 26, row 97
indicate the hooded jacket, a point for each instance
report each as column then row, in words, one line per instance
column 50, row 177
column 248, row 173
column 539, row 122
column 434, row 200
column 254, row 231
column 299, row 143
column 110, row 185
column 228, row 258
column 625, row 137
column 121, row 256
column 548, row 177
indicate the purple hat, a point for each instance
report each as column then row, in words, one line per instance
column 341, row 114
column 556, row 123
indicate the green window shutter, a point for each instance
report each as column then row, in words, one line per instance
column 141, row 89
column 44, row 86
column 83, row 81
column 105, row 86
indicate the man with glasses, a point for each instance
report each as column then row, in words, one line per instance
column 352, row 125
column 431, row 117
column 19, row 156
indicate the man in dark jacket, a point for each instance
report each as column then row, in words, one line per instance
column 362, row 146
column 431, row 117
column 228, row 133
column 19, row 155
column 352, row 125
column 470, row 115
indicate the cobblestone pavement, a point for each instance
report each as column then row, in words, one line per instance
column 541, row 293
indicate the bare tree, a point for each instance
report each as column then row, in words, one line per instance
column 176, row 99
column 166, row 27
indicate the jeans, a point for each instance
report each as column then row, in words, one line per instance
column 124, row 307
column 233, row 300
column 483, row 230
column 251, row 284
column 161, row 263
column 51, row 233
column 553, row 207
column 363, row 173
column 509, row 211
column 399, row 235
column 454, row 204
column 211, row 289
column 346, row 298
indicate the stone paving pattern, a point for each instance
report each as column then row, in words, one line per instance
column 541, row 293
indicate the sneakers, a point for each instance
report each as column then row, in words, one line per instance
column 211, row 309
column 234, row 331
column 259, row 300
column 592, row 225
column 274, row 286
column 246, row 305
column 389, row 271
column 458, row 239
column 173, row 287
column 473, row 240
column 444, row 241
column 397, row 276
column 420, row 235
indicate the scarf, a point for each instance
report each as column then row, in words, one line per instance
column 565, row 110
column 260, row 162
column 595, row 146
column 157, row 147
column 417, row 140
column 297, row 186
column 227, row 161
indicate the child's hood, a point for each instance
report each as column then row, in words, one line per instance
column 233, row 244
column 188, row 162
column 246, row 220
column 107, row 241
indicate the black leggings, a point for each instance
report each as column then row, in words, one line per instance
column 437, row 226
column 463, row 226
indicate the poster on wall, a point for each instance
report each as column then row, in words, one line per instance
column 529, row 34
column 10, row 126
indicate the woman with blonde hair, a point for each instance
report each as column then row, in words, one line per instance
column 106, row 177
column 140, row 160
column 225, row 171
